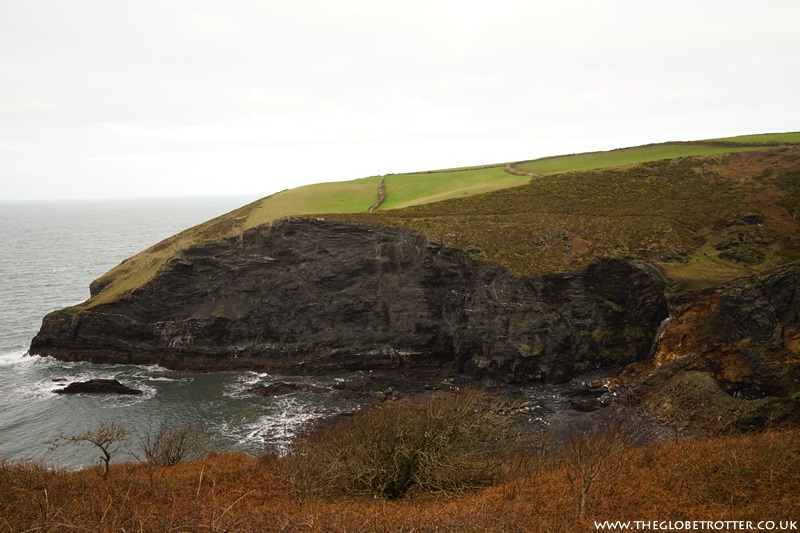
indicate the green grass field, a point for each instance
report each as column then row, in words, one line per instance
column 336, row 197
column 789, row 137
column 625, row 156
column 404, row 190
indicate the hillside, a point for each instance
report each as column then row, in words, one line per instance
column 724, row 478
column 705, row 219
column 577, row 216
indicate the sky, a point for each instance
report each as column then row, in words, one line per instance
column 118, row 99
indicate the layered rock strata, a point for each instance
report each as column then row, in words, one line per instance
column 316, row 296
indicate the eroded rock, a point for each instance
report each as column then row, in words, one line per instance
column 745, row 332
column 729, row 358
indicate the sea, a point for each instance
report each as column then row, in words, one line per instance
column 49, row 253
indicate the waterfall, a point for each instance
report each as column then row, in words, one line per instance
column 659, row 334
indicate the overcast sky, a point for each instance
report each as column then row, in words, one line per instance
column 166, row 97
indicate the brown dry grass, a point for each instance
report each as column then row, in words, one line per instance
column 732, row 477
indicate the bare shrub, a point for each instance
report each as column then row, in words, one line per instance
column 445, row 443
column 595, row 456
column 167, row 446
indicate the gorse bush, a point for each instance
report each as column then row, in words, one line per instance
column 446, row 443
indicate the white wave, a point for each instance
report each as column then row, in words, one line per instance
column 153, row 369
column 128, row 400
column 276, row 429
column 242, row 383
column 40, row 390
column 16, row 358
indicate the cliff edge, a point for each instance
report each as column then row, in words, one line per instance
column 315, row 296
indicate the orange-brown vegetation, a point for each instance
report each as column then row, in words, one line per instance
column 729, row 477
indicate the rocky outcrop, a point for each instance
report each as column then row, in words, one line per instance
column 315, row 296
column 97, row 386
column 729, row 356
column 746, row 332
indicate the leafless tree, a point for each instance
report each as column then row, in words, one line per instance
column 595, row 456
column 108, row 438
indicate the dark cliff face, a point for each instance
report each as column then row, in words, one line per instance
column 318, row 296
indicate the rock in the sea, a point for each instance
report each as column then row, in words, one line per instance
column 97, row 386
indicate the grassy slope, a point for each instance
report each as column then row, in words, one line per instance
column 653, row 152
column 731, row 477
column 406, row 190
column 338, row 197
column 789, row 137
column 674, row 211
column 627, row 156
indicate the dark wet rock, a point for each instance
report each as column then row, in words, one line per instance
column 585, row 405
column 304, row 296
column 97, row 386
column 676, row 256
column 283, row 388
column 744, row 255
column 388, row 385
column 752, row 219
column 606, row 383
column 773, row 413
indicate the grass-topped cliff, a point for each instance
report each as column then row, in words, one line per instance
column 707, row 210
